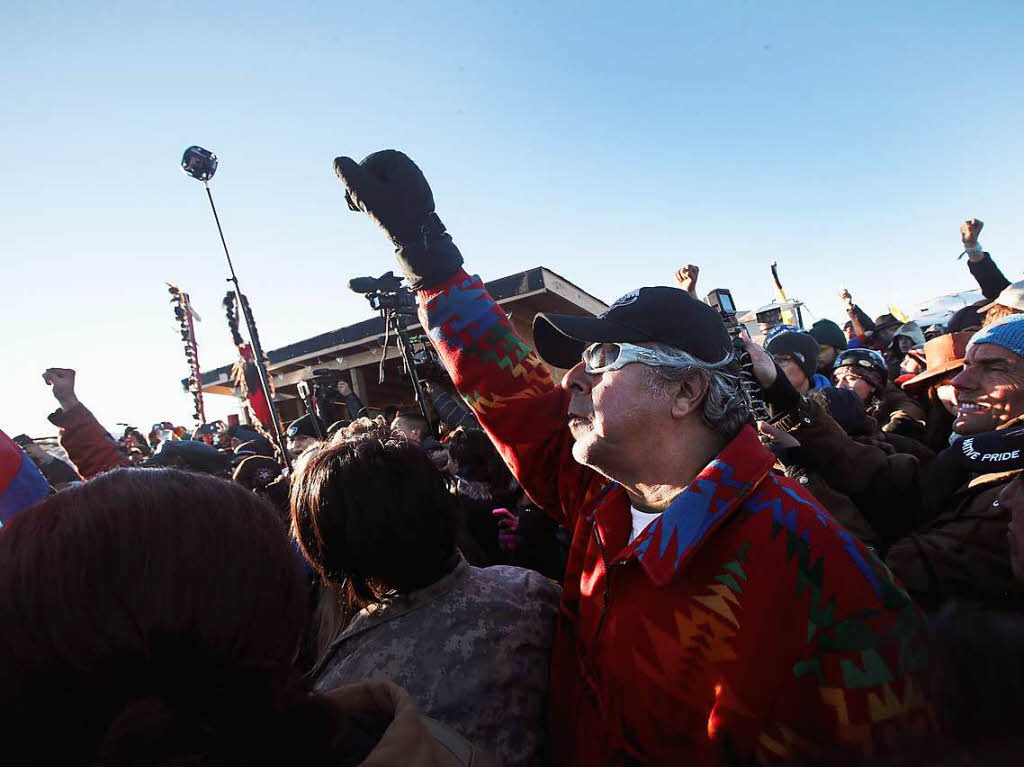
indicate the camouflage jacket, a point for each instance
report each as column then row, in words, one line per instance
column 472, row 650
column 744, row 624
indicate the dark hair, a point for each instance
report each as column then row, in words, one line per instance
column 149, row 616
column 373, row 516
column 478, row 459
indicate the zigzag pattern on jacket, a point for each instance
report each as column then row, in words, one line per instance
column 463, row 318
column 690, row 517
column 853, row 634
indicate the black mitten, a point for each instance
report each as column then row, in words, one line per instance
column 394, row 193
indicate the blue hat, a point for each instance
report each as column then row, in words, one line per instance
column 1007, row 332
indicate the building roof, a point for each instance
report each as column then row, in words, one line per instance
column 355, row 345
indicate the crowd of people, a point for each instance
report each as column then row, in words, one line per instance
column 625, row 567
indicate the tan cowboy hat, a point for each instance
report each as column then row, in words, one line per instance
column 943, row 354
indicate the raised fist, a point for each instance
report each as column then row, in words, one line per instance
column 344, row 388
column 686, row 276
column 969, row 232
column 847, row 298
column 63, row 382
column 389, row 188
column 394, row 193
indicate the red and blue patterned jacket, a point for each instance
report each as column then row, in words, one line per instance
column 744, row 624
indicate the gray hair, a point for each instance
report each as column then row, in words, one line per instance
column 725, row 407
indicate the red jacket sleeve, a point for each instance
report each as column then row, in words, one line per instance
column 86, row 442
column 511, row 391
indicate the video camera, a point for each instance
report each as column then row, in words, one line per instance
column 385, row 293
column 397, row 306
column 720, row 299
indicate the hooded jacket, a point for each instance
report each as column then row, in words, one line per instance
column 743, row 623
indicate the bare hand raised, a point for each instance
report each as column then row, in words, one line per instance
column 764, row 366
column 969, row 232
column 63, row 382
column 686, row 277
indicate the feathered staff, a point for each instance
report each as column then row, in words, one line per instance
column 244, row 373
column 184, row 313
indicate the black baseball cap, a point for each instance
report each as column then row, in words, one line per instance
column 660, row 314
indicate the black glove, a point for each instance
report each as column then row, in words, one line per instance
column 393, row 192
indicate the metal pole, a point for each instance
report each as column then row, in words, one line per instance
column 257, row 351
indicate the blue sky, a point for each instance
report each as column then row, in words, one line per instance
column 610, row 142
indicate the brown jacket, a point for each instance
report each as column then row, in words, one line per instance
column 410, row 740
column 86, row 442
column 839, row 505
column 945, row 537
column 898, row 412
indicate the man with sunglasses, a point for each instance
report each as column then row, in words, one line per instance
column 712, row 612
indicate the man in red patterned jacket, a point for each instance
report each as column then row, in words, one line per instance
column 713, row 613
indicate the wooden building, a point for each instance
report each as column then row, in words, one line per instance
column 355, row 350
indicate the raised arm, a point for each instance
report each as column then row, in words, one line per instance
column 510, row 390
column 88, row 445
column 990, row 278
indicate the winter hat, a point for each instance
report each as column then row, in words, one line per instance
column 828, row 333
column 802, row 347
column 912, row 331
column 1007, row 332
column 777, row 330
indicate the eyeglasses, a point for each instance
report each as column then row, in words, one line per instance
column 602, row 357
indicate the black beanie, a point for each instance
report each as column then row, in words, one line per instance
column 802, row 347
column 827, row 333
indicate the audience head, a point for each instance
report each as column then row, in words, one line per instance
column 302, row 434
column 413, row 426
column 152, row 616
column 990, row 388
column 472, row 456
column 796, row 353
column 373, row 516
column 831, row 340
column 1009, row 302
column 862, row 371
column 656, row 367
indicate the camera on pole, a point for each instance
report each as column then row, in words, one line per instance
column 201, row 164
